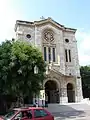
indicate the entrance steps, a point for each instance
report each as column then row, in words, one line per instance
column 69, row 107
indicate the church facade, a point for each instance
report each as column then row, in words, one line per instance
column 59, row 49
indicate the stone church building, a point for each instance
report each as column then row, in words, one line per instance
column 59, row 48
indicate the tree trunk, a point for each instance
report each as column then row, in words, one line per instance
column 18, row 103
column 21, row 101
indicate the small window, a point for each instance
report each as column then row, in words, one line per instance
column 49, row 54
column 45, row 54
column 53, row 54
column 69, row 55
column 66, row 55
column 40, row 113
column 66, row 40
column 28, row 36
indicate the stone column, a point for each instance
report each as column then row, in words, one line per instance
column 79, row 95
column 63, row 95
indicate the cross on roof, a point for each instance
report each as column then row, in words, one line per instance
column 42, row 18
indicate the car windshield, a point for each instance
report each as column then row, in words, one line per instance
column 9, row 115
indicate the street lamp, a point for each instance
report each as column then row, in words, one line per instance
column 35, row 97
column 35, row 70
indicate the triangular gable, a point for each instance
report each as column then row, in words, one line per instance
column 55, row 74
column 48, row 20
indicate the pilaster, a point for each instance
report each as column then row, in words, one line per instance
column 63, row 95
column 79, row 95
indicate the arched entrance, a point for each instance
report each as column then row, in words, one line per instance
column 70, row 93
column 52, row 91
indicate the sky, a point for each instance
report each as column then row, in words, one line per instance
column 71, row 13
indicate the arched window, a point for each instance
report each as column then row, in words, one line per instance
column 49, row 49
column 68, row 55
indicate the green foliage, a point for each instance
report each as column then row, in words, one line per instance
column 85, row 75
column 5, row 55
column 25, row 57
column 17, row 63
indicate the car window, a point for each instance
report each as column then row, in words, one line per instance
column 19, row 115
column 29, row 114
column 10, row 114
column 24, row 114
column 40, row 113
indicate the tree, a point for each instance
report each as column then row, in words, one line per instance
column 5, row 55
column 85, row 75
column 17, row 63
column 25, row 58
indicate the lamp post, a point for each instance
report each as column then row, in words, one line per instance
column 42, row 93
column 36, row 72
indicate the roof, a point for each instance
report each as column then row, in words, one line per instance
column 21, row 22
column 25, row 21
column 27, row 108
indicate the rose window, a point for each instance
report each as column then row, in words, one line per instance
column 48, row 36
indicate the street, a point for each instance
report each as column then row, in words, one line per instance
column 73, row 111
column 72, row 115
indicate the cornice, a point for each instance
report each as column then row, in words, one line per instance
column 45, row 21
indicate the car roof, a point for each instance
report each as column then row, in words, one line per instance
column 27, row 108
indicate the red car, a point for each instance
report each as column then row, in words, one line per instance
column 30, row 113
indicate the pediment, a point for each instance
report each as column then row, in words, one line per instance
column 49, row 21
column 54, row 74
column 55, row 24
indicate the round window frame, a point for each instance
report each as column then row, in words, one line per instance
column 45, row 32
column 28, row 36
column 67, row 40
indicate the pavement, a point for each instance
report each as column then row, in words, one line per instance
column 80, row 111
column 73, row 115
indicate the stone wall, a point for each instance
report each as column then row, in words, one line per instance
column 36, row 33
column 69, row 70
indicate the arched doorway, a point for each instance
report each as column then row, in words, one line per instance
column 70, row 93
column 52, row 91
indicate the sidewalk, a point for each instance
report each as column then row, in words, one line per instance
column 73, row 118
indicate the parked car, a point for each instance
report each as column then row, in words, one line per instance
column 30, row 113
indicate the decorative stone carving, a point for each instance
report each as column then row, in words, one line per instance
column 48, row 35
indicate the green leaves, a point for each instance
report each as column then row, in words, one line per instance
column 85, row 75
column 17, row 62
